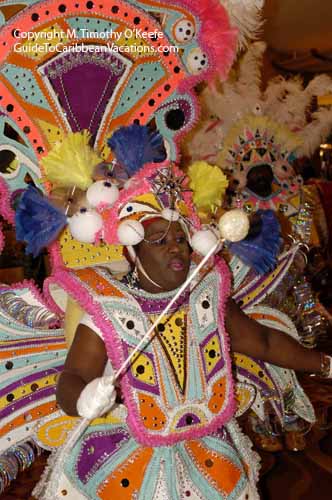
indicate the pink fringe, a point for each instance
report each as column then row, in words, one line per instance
column 5, row 209
column 56, row 260
column 50, row 301
column 2, row 238
column 216, row 37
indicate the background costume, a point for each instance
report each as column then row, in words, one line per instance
column 273, row 128
column 45, row 94
column 246, row 127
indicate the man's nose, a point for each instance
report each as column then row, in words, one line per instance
column 173, row 247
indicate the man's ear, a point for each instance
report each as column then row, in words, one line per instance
column 130, row 254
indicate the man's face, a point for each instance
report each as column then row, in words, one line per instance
column 259, row 180
column 166, row 260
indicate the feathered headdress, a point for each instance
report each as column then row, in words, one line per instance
column 71, row 164
column 258, row 140
column 162, row 192
column 262, row 127
column 247, row 17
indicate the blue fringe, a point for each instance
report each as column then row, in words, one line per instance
column 136, row 145
column 38, row 223
column 261, row 252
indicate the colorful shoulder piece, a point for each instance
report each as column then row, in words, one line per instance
column 32, row 352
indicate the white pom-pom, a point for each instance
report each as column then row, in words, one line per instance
column 85, row 224
column 102, row 192
column 170, row 215
column 202, row 241
column 130, row 232
column 234, row 225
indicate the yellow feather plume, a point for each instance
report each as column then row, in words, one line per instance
column 71, row 162
column 208, row 183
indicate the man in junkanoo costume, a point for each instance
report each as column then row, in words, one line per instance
column 105, row 446
column 63, row 81
column 173, row 434
column 254, row 136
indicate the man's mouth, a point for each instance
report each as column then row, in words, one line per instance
column 176, row 265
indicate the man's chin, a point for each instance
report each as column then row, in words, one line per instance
column 175, row 283
column 263, row 193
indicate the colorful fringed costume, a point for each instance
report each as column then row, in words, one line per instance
column 246, row 127
column 178, row 438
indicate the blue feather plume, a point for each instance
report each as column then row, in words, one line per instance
column 261, row 251
column 136, row 145
column 38, row 223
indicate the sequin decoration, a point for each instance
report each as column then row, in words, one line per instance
column 128, row 478
column 173, row 338
column 96, row 449
column 211, row 355
column 15, row 460
column 30, row 315
column 76, row 255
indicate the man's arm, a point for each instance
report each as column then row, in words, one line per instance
column 268, row 344
column 85, row 361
